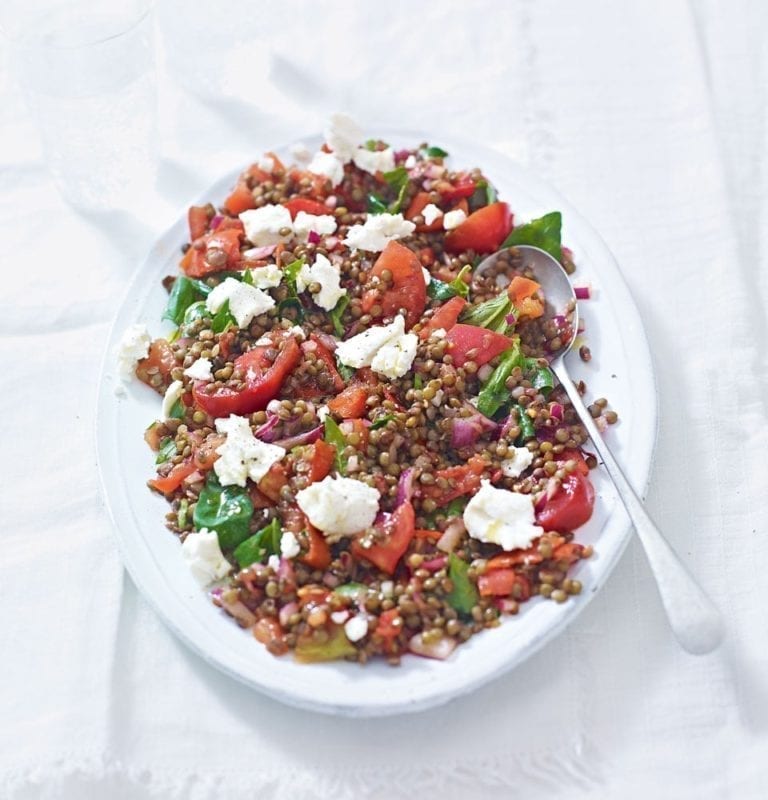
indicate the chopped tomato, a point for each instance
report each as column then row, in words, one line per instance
column 418, row 204
column 462, row 479
column 294, row 520
column 528, row 555
column 577, row 456
column 174, row 479
column 269, row 632
column 161, row 360
column 230, row 224
column 445, row 317
column 271, row 484
column 262, row 382
column 390, row 624
column 309, row 387
column 350, row 403
column 463, row 186
column 571, row 505
column 504, row 583
column 398, row 529
column 205, row 455
column 521, row 288
column 467, row 338
column 321, row 460
column 241, row 199
column 569, row 552
column 195, row 262
column 306, row 205
column 407, row 290
column 482, row 231
column 198, row 219
column 318, row 556
column 358, row 426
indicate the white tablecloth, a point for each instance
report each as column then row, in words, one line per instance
column 651, row 118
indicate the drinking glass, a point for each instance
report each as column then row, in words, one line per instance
column 88, row 73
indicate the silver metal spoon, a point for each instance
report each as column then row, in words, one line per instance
column 693, row 617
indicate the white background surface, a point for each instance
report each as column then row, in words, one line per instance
column 651, row 118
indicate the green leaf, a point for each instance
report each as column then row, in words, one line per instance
column 224, row 509
column 291, row 304
column 456, row 507
column 398, row 180
column 177, row 410
column 260, row 546
column 381, row 421
column 181, row 514
column 418, row 381
column 345, row 371
column 184, row 293
column 494, row 393
column 222, row 319
column 525, row 423
column 372, row 145
column 463, row 597
column 290, row 273
column 351, row 590
column 337, row 313
column 491, row 314
column 248, row 277
column 334, row 436
column 543, row 232
column 436, row 152
column 459, row 285
column 490, row 193
column 440, row 290
column 376, row 205
column 195, row 312
column 542, row 378
column 167, row 450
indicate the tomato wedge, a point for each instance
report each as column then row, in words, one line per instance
column 262, row 382
column 350, row 404
column 462, row 479
column 444, row 317
column 418, row 204
column 463, row 186
column 398, row 529
column 197, row 216
column 483, row 231
column 467, row 338
column 503, row 583
column 321, row 460
column 318, row 556
column 308, row 206
column 309, row 387
column 174, row 479
column 408, row 290
column 241, row 199
column 570, row 507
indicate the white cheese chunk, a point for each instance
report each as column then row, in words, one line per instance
column 386, row 348
column 378, row 231
column 521, row 458
column 327, row 165
column 325, row 274
column 427, row 275
column 430, row 213
column 323, row 224
column 242, row 455
column 289, row 545
column 356, row 628
column 134, row 345
column 497, row 516
column 374, row 161
column 453, row 219
column 245, row 302
column 202, row 553
column 200, row 370
column 266, row 277
column 410, row 162
column 273, row 562
column 339, row 506
column 343, row 135
column 263, row 225
column 323, row 412
column 172, row 394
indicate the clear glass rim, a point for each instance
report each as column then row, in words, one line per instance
column 33, row 45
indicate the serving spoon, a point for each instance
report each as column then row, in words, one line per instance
column 694, row 619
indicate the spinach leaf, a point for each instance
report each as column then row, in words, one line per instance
column 491, row 314
column 459, row 285
column 525, row 423
column 222, row 319
column 376, row 205
column 542, row 379
column 291, row 304
column 418, row 381
column 463, row 597
column 181, row 514
column 494, row 393
column 345, row 371
column 456, row 507
column 248, row 277
column 439, row 290
column 381, row 421
column 167, row 450
column 196, row 311
column 224, row 509
column 336, row 313
column 260, row 546
column 184, row 293
column 398, row 180
column 334, row 436
column 177, row 410
column 436, row 152
column 490, row 193
column 543, row 232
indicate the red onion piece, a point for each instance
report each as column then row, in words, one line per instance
column 582, row 292
column 331, row 201
column 266, row 432
column 256, row 253
column 452, row 536
column 560, row 320
column 286, row 612
column 506, row 605
column 511, row 318
column 556, row 411
column 435, row 564
column 285, row 571
column 401, row 155
column 465, row 431
column 313, row 237
column 404, row 487
column 440, row 649
column 236, row 608
column 326, row 340
column 307, row 437
column 216, row 221
column 331, row 242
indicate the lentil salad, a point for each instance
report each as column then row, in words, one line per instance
column 276, row 403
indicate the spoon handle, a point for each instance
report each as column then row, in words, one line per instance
column 693, row 617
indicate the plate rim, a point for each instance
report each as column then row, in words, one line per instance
column 105, row 397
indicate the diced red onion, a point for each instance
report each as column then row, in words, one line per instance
column 236, row 608
column 273, row 406
column 435, row 564
column 511, row 318
column 427, row 185
column 440, row 649
column 331, row 201
column 465, row 431
column 326, row 340
column 307, row 437
column 195, row 477
column 582, row 292
column 404, row 487
column 582, row 326
column 567, row 253
column 285, row 571
column 401, row 155
column 216, row 221
column 313, row 237
column 435, row 171
column 266, row 432
column 330, row 243
column 286, row 612
column 255, row 253
column 452, row 536
column 556, row 411
column 560, row 320
column 506, row 605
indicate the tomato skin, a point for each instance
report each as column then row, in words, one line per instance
column 488, row 344
column 502, row 583
column 444, row 317
column 463, row 479
column 226, row 238
column 408, row 289
column 418, row 204
column 240, row 199
column 321, row 460
column 482, row 231
column 524, row 557
column 161, row 356
column 350, row 404
column 271, row 484
column 390, row 624
column 174, row 478
column 262, row 382
column 318, row 556
column 306, row 205
column 197, row 217
column 399, row 528
column 571, row 507
column 463, row 187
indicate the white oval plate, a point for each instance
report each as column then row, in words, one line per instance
column 620, row 369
